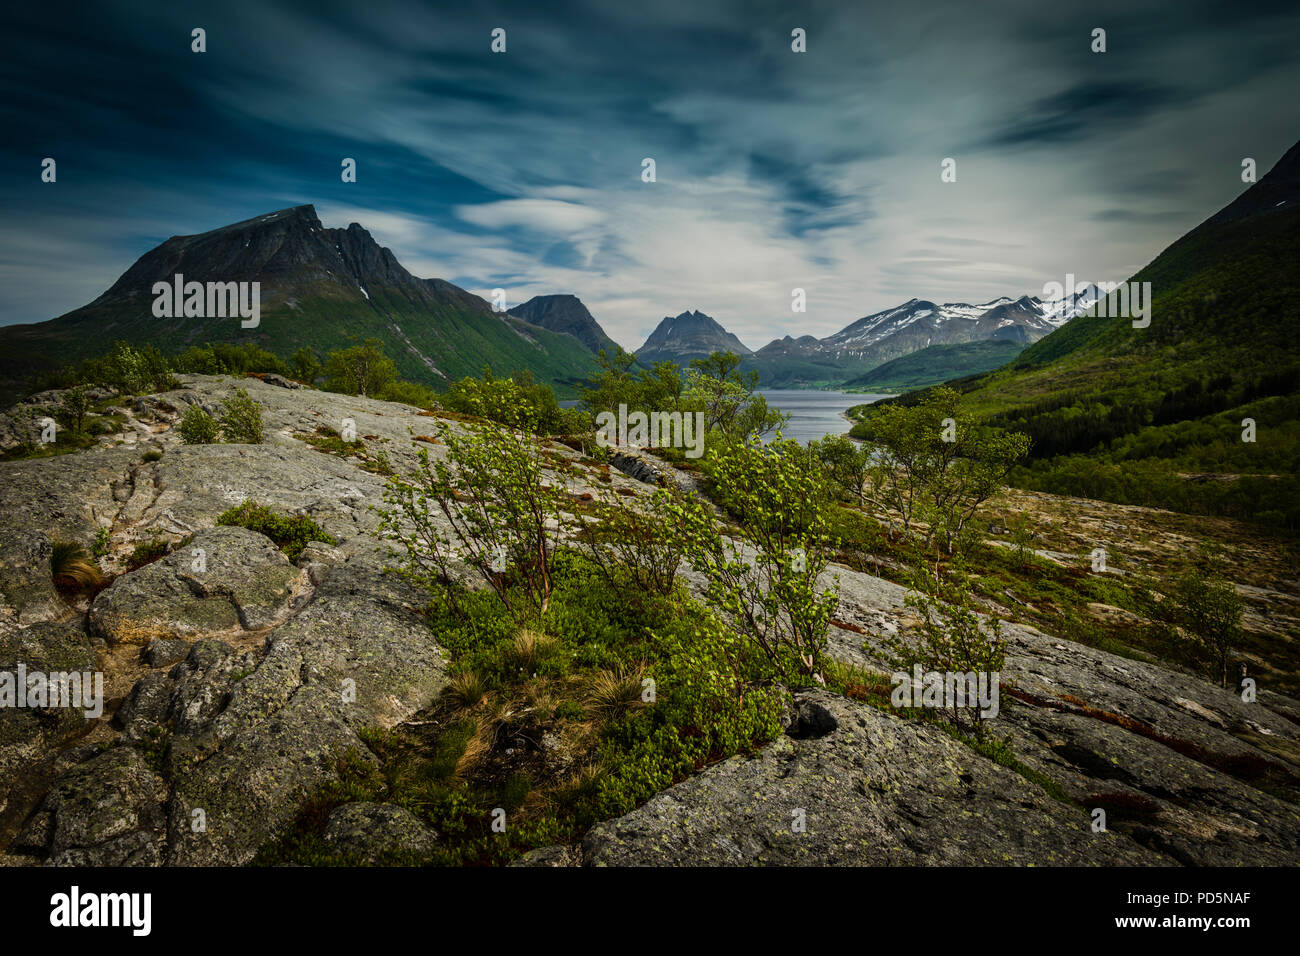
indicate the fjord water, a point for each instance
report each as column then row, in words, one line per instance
column 813, row 413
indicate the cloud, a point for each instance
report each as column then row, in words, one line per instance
column 539, row 215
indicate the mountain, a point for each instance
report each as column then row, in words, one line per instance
column 938, row 363
column 324, row 288
column 684, row 337
column 566, row 315
column 917, row 324
column 1157, row 415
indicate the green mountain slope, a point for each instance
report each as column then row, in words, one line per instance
column 323, row 288
column 938, row 363
column 1155, row 415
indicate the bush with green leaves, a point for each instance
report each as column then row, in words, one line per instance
column 633, row 543
column 226, row 358
column 845, row 463
column 714, row 698
column 198, row 427
column 733, row 410
column 74, row 408
column 305, row 365
column 129, row 370
column 503, row 513
column 729, row 399
column 241, row 419
column 763, row 573
column 952, row 637
column 517, row 401
column 933, row 464
column 1204, row 610
column 291, row 533
column 359, row 370
column 409, row 393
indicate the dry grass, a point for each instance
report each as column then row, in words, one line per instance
column 611, row 693
column 467, row 689
column 72, row 568
column 531, row 648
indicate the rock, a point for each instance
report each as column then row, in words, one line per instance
column 354, row 658
column 811, row 719
column 877, row 790
column 163, row 651
column 27, row 592
column 142, row 714
column 247, row 584
column 551, row 856
column 30, row 737
column 106, row 812
column 635, row 466
column 374, row 832
column 271, row 378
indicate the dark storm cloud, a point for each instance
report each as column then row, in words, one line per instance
column 1086, row 110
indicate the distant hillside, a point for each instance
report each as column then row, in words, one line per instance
column 1154, row 415
column 324, row 288
column 938, row 363
column 687, row 336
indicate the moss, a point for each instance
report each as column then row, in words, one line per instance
column 291, row 533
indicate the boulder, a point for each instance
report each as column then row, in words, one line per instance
column 222, row 581
column 376, row 832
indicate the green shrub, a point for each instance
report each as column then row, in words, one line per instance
column 641, row 545
column 505, row 517
column 765, row 575
column 74, row 408
column 359, row 370
column 241, row 419
column 409, row 393
column 305, row 365
column 952, row 637
column 291, row 533
column 1204, row 611
column 711, row 701
column 146, row 552
column 198, row 427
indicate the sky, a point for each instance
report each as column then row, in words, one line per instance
column 523, row 170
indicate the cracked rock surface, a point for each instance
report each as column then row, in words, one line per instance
column 234, row 685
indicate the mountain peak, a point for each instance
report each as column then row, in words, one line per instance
column 564, row 313
column 691, row 334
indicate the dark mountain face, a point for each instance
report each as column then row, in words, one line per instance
column 687, row 336
column 566, row 315
column 293, row 256
column 323, row 288
column 1277, row 191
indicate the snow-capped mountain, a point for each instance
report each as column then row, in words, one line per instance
column 916, row 324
